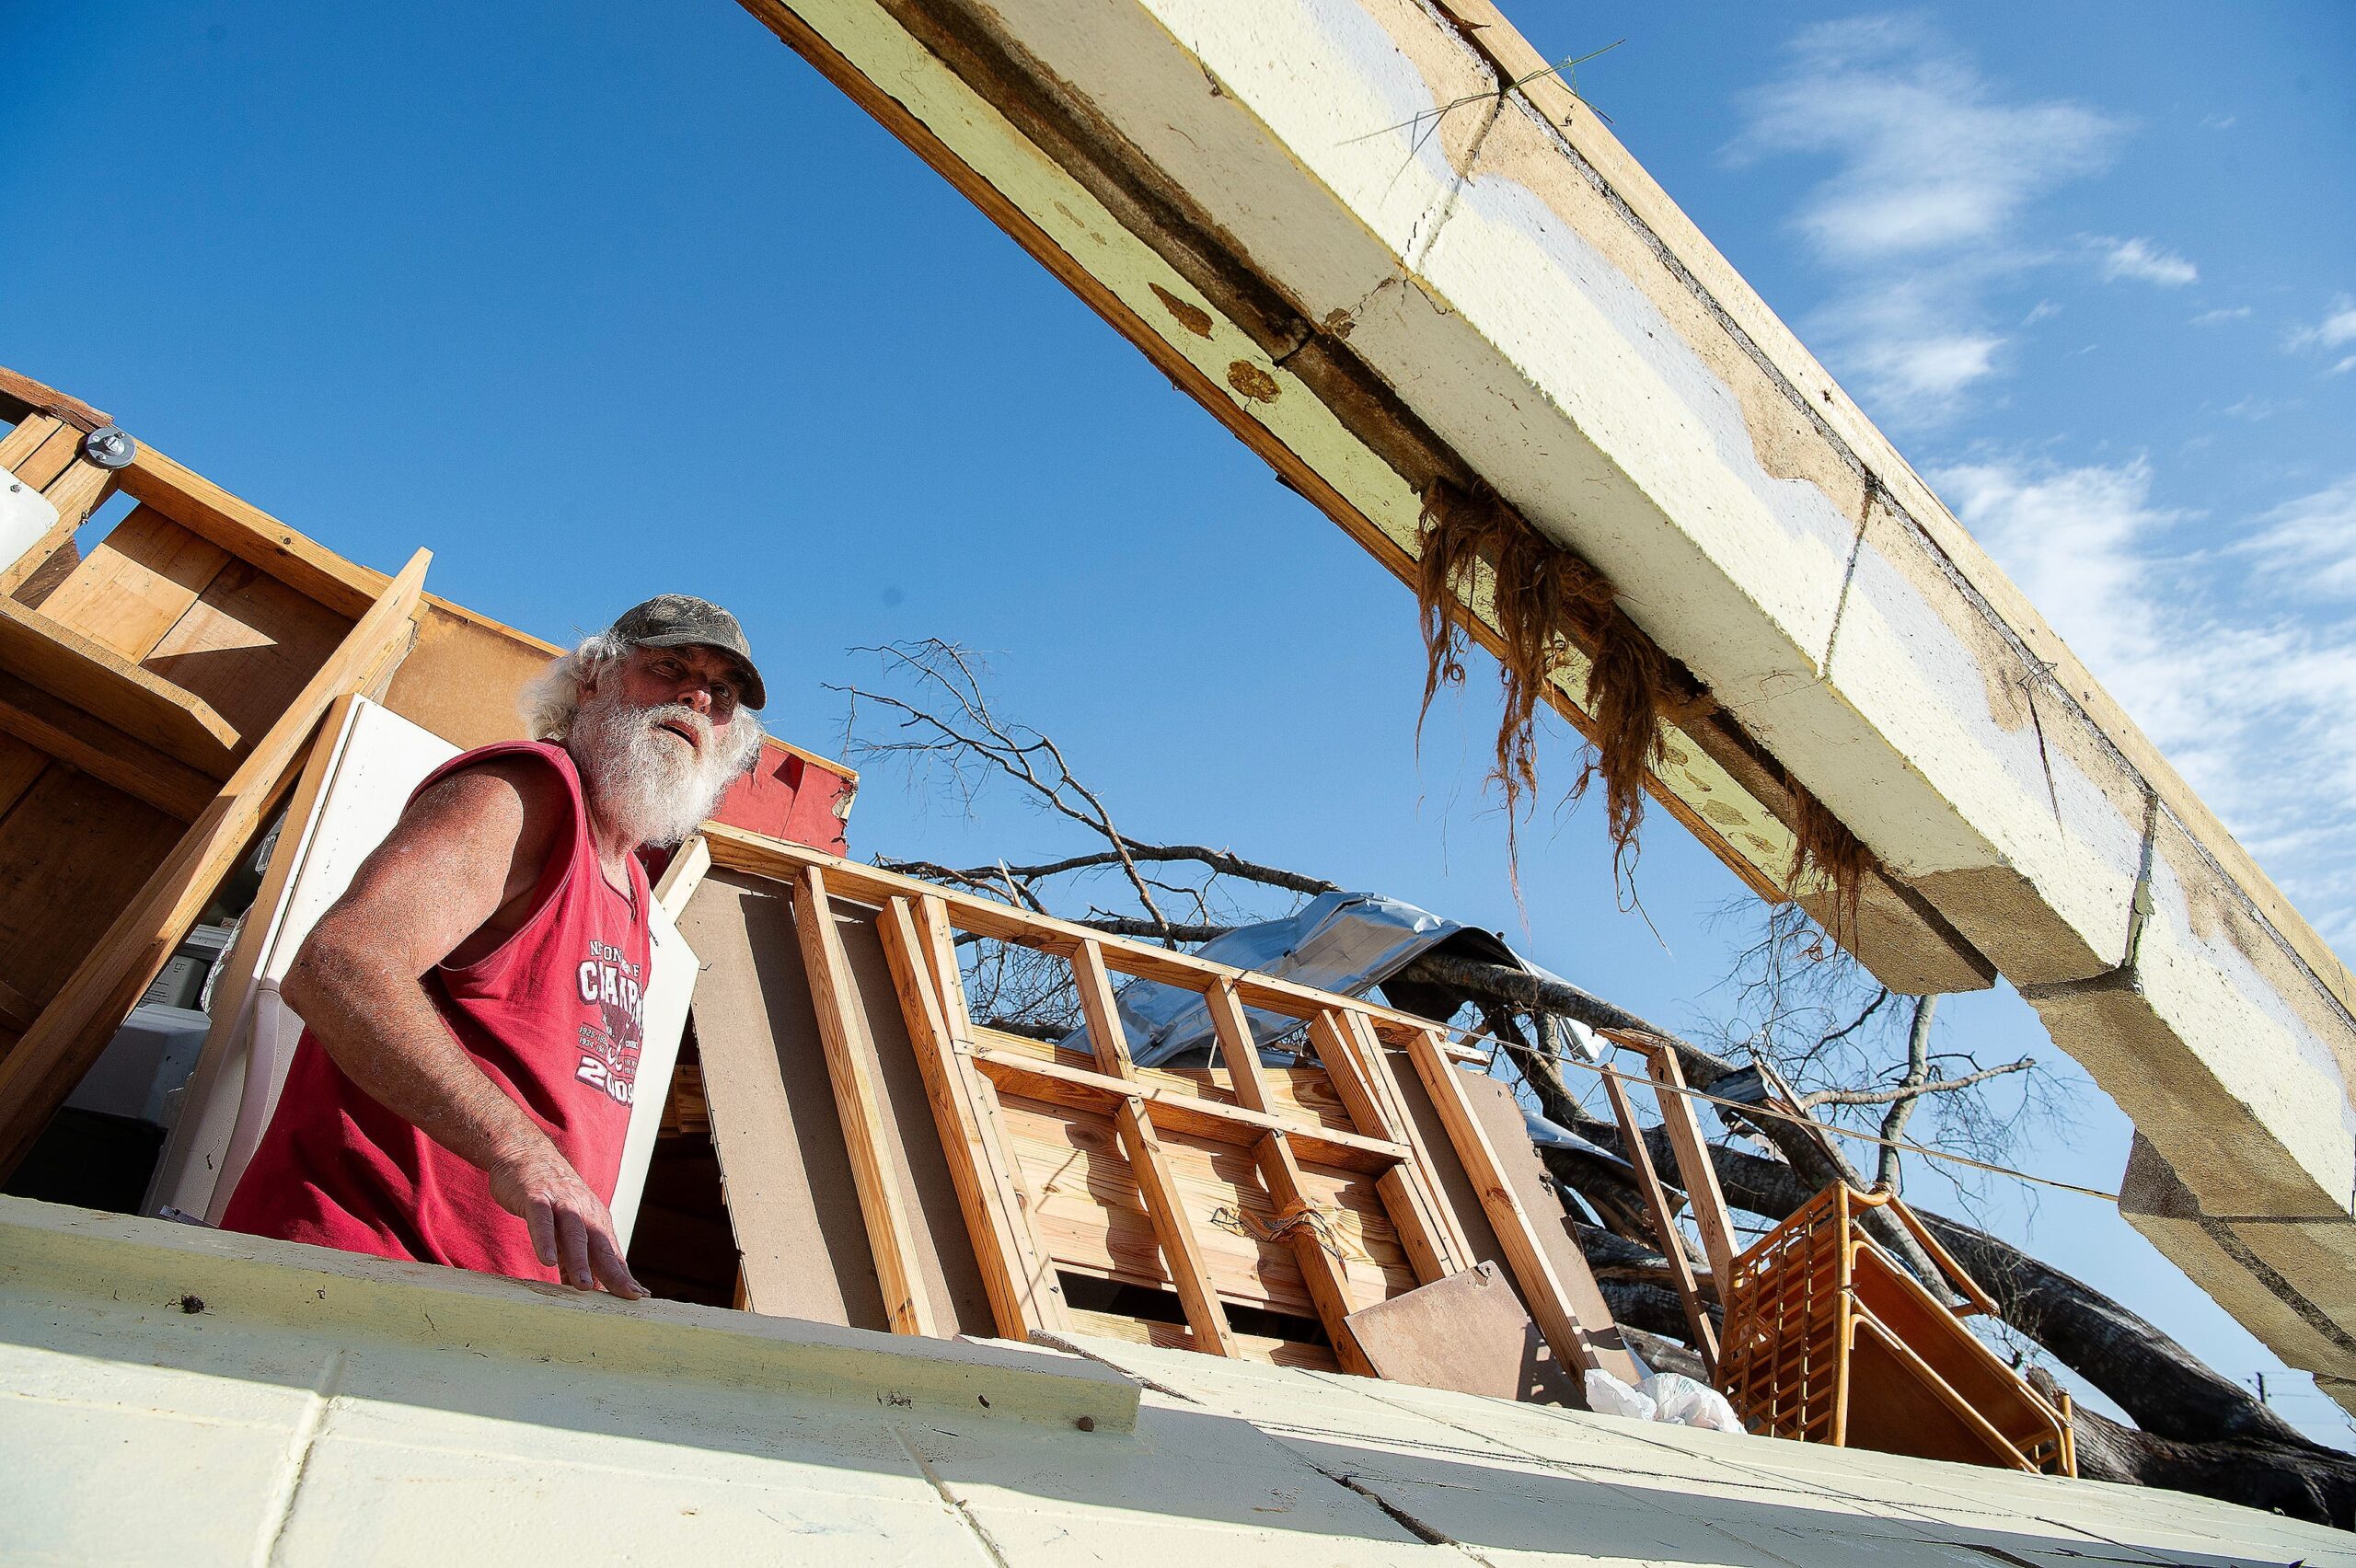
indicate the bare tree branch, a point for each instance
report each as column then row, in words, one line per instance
column 1918, row 1071
column 1224, row 862
column 1903, row 1093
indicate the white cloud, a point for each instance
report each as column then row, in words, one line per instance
column 2307, row 547
column 2218, row 121
column 1932, row 171
column 2343, row 367
column 2253, row 702
column 2336, row 330
column 2042, row 309
column 2213, row 318
column 2144, row 262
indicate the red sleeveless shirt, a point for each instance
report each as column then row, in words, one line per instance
column 552, row 1018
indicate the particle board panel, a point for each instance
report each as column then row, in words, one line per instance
column 1094, row 1221
column 137, row 584
column 1468, row 1332
column 791, row 1194
column 73, row 853
column 248, row 645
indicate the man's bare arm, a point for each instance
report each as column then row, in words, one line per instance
column 455, row 876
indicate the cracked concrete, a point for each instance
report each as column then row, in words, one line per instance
column 329, row 1409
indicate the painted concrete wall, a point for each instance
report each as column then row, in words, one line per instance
column 175, row 1396
column 1335, row 223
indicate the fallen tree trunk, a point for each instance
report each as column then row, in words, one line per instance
column 1804, row 1146
column 2196, row 1432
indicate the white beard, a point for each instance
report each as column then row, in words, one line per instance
column 643, row 781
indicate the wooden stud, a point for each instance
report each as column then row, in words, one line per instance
column 949, row 985
column 76, row 493
column 1672, row 1245
column 1164, row 1203
column 41, row 462
column 859, row 1104
column 21, row 393
column 50, row 724
column 683, row 876
column 1516, row 1234
column 1405, row 1196
column 1175, row 1111
column 30, row 434
column 1016, row 1270
column 1695, row 1171
column 1322, row 1273
column 138, row 702
column 53, row 1054
column 1459, row 1248
column 249, row 532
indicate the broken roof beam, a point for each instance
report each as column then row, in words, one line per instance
column 1375, row 246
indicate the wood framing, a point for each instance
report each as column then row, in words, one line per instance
column 1163, row 1204
column 1302, row 1190
column 1425, row 1227
column 1681, row 1271
column 1302, row 1223
column 1703, row 1198
column 1015, row 1270
column 1549, row 1302
column 77, row 1023
column 842, row 1030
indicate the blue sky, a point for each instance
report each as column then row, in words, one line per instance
column 597, row 305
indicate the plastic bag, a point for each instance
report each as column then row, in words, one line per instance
column 1606, row 1395
column 1683, row 1401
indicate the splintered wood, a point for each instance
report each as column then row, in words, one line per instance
column 1244, row 1210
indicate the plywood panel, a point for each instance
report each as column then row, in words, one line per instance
column 19, row 765
column 1094, row 1222
column 73, row 854
column 462, row 678
column 248, row 645
column 137, row 584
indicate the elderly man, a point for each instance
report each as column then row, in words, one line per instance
column 473, row 1003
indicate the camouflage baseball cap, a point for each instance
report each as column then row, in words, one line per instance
column 682, row 620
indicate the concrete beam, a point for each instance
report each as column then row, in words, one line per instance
column 1382, row 251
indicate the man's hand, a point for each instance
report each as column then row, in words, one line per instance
column 570, row 1228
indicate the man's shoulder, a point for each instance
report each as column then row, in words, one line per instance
column 529, row 785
